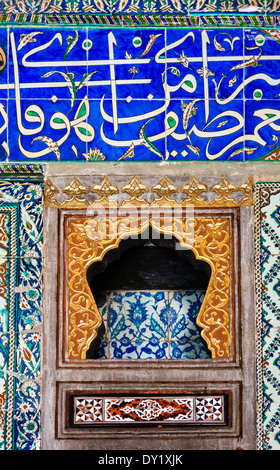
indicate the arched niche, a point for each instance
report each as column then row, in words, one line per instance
column 153, row 288
column 88, row 242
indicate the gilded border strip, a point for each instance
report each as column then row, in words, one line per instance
column 198, row 19
column 75, row 191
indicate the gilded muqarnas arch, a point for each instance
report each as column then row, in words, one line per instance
column 89, row 239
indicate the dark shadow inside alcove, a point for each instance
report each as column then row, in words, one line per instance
column 149, row 261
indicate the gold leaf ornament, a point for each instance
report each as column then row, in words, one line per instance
column 224, row 189
column 135, row 188
column 74, row 191
column 248, row 190
column 194, row 189
column 164, row 188
column 105, row 188
column 49, row 191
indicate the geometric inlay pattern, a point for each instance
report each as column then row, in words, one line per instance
column 209, row 409
column 88, row 410
column 123, row 410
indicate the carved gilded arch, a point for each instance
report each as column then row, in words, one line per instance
column 90, row 238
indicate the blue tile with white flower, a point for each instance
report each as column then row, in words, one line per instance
column 151, row 325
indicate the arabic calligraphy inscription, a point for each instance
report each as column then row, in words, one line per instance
column 79, row 94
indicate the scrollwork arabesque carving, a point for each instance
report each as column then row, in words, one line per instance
column 89, row 240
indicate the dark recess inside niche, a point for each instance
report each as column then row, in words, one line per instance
column 150, row 261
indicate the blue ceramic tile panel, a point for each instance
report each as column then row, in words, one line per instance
column 21, row 313
column 190, row 53
column 128, row 57
column 27, row 199
column 3, row 63
column 270, row 226
column 139, row 350
column 5, row 268
column 220, row 139
column 137, row 94
column 123, row 140
column 26, row 417
column 271, row 292
column 262, row 127
column 151, row 325
column 47, row 63
column 126, row 96
column 268, row 313
column 262, row 79
column 185, row 340
column 50, row 130
column 29, row 295
column 138, row 316
column 49, row 109
column 209, row 115
column 262, row 92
